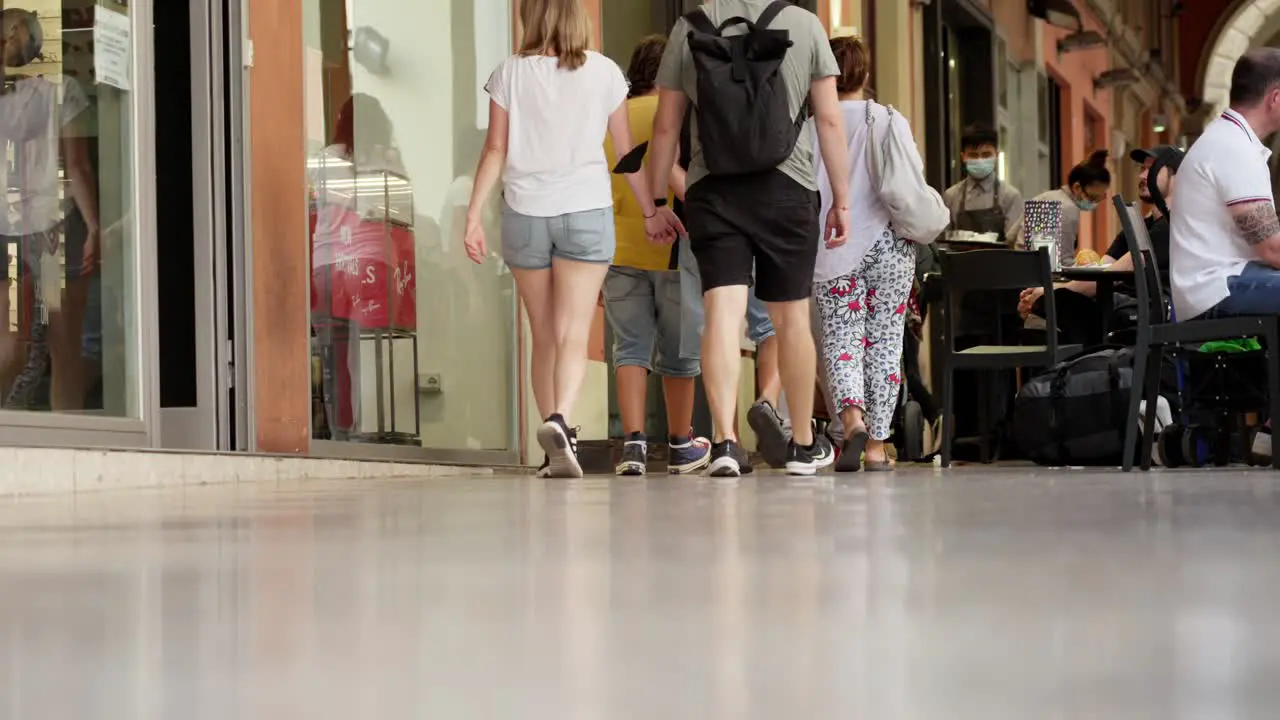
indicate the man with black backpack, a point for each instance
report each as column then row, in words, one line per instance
column 752, row 69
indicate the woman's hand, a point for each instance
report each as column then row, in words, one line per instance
column 1027, row 300
column 90, row 260
column 837, row 227
column 474, row 240
column 663, row 227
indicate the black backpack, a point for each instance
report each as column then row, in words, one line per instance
column 744, row 117
column 1077, row 412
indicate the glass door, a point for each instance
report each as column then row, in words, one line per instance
column 75, row 120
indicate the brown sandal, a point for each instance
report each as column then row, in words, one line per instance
column 885, row 465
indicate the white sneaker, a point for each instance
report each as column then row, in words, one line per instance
column 1262, row 445
column 561, row 446
column 1164, row 418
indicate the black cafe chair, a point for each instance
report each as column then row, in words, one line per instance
column 986, row 270
column 1157, row 334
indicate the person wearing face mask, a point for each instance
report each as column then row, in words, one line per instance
column 981, row 202
column 1079, row 318
column 1087, row 186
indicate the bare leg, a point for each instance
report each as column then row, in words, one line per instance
column 679, row 393
column 767, row 375
column 721, row 358
column 575, row 288
column 66, row 392
column 852, row 419
column 797, row 360
column 876, row 451
column 633, row 384
column 534, row 288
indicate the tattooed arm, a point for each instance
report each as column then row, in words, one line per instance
column 1260, row 227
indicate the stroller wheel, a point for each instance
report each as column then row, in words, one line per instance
column 1197, row 445
column 912, row 432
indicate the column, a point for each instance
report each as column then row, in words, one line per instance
column 277, row 249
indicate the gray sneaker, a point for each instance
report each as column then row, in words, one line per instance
column 773, row 440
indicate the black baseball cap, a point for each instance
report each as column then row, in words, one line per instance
column 1172, row 155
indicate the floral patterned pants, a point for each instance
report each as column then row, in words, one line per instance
column 863, row 320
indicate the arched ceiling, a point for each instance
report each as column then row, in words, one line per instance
column 1252, row 24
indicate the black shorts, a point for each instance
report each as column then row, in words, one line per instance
column 767, row 223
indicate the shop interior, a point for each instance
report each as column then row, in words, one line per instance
column 412, row 345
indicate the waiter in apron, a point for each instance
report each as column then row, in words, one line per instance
column 981, row 205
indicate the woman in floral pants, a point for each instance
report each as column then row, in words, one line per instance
column 862, row 288
column 863, row 320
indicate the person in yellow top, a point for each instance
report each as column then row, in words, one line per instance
column 642, row 301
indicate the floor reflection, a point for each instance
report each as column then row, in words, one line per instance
column 1006, row 594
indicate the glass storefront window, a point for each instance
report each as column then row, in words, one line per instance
column 68, row 339
column 411, row 343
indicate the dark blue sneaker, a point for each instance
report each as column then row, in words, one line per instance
column 688, row 455
column 635, row 456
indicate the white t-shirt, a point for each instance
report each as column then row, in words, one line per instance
column 867, row 213
column 1227, row 166
column 555, row 141
column 34, row 115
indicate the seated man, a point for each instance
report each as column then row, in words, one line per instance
column 1225, row 241
column 1226, row 238
column 1079, row 317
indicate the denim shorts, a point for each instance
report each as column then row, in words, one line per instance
column 529, row 243
column 1255, row 291
column 759, row 326
column 643, row 310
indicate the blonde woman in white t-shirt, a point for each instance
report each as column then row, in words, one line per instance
column 861, row 288
column 550, row 107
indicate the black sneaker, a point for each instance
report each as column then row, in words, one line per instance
column 728, row 459
column 635, row 456
column 544, row 470
column 850, row 459
column 771, row 438
column 806, row 461
column 561, row 445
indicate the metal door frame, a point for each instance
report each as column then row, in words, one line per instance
column 202, row 427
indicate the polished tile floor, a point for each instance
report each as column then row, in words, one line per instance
column 1026, row 594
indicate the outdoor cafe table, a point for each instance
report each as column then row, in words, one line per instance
column 1106, row 281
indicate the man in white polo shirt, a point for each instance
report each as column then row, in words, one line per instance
column 1225, row 237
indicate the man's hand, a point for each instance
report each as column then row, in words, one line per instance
column 837, row 227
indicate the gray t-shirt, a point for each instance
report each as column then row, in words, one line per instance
column 808, row 59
